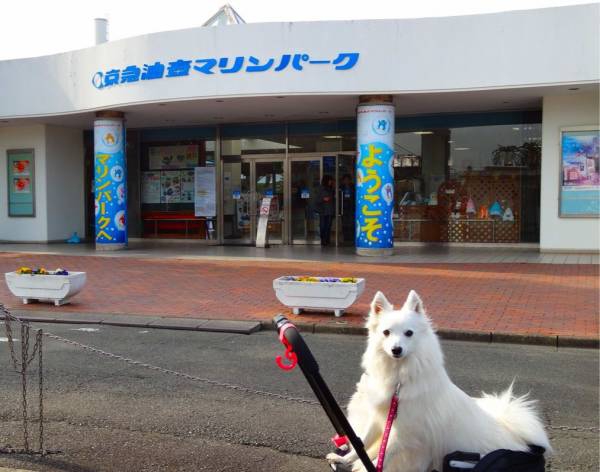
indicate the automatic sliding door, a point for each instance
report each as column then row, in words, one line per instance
column 237, row 202
column 305, row 176
column 268, row 182
column 346, row 201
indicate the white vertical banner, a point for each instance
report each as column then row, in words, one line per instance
column 263, row 223
column 205, row 201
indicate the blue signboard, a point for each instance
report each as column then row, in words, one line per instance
column 218, row 65
column 110, row 182
column 375, row 177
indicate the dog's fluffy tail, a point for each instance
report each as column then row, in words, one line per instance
column 518, row 415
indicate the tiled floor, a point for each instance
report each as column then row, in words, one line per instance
column 502, row 295
column 406, row 254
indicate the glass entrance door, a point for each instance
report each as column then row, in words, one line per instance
column 346, row 201
column 245, row 182
column 268, row 182
column 305, row 179
column 237, row 201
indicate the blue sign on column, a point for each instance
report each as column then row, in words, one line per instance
column 375, row 178
column 110, row 183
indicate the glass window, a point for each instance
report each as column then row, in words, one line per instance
column 468, row 184
column 322, row 143
column 241, row 140
column 322, row 136
column 167, row 188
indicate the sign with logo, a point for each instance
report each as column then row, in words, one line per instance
column 132, row 74
column 375, row 177
column 110, row 182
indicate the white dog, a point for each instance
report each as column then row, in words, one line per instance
column 434, row 417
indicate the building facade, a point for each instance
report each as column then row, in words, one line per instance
column 477, row 129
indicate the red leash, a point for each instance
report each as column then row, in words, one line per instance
column 388, row 427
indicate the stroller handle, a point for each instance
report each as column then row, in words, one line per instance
column 289, row 335
column 305, row 357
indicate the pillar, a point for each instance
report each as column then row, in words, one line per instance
column 375, row 176
column 110, row 181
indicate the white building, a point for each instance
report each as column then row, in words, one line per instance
column 480, row 105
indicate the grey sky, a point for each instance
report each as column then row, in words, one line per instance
column 39, row 27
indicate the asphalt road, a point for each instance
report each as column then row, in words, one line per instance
column 105, row 415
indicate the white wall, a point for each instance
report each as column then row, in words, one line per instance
column 513, row 49
column 65, row 182
column 24, row 228
column 571, row 234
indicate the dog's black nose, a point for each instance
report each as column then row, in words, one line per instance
column 397, row 351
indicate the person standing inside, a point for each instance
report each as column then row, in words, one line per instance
column 326, row 208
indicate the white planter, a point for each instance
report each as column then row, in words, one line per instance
column 329, row 296
column 49, row 288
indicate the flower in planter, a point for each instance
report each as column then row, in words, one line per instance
column 311, row 279
column 41, row 271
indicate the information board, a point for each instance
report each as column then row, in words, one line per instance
column 173, row 157
column 205, row 201
column 151, row 187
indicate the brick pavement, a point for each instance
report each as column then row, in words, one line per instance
column 533, row 299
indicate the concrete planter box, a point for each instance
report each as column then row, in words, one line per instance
column 329, row 296
column 58, row 289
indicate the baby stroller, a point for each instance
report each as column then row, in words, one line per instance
column 297, row 352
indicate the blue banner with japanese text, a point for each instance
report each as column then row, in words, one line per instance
column 110, row 182
column 375, row 177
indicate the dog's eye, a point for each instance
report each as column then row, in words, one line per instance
column 408, row 333
column 386, row 332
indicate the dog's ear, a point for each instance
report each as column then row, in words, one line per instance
column 414, row 303
column 380, row 303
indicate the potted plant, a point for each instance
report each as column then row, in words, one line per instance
column 57, row 286
column 318, row 293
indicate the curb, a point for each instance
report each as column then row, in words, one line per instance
column 461, row 335
column 154, row 322
column 249, row 327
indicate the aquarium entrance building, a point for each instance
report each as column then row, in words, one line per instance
column 468, row 130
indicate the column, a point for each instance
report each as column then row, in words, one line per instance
column 110, row 181
column 375, row 176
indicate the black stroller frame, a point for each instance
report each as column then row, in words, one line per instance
column 298, row 351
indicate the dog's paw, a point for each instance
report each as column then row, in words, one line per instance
column 358, row 466
column 334, row 458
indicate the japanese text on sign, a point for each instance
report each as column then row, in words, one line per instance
column 223, row 65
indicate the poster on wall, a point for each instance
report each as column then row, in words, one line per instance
column 20, row 182
column 150, row 187
column 580, row 172
column 173, row 157
column 205, row 202
column 187, row 186
column 170, row 186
